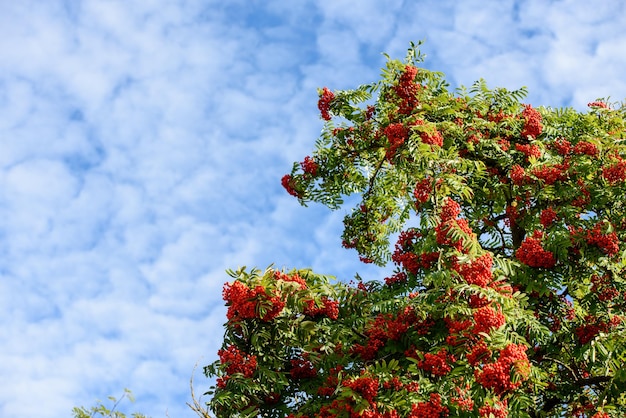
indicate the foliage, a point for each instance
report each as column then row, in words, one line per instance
column 508, row 296
column 101, row 410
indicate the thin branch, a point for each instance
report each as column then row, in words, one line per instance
column 373, row 178
column 594, row 380
column 579, row 380
column 559, row 362
column 196, row 407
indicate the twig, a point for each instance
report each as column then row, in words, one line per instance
column 196, row 407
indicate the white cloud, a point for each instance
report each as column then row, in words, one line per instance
column 584, row 57
column 143, row 145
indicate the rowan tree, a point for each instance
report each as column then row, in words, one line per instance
column 506, row 225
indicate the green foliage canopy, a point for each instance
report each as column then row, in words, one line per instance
column 509, row 295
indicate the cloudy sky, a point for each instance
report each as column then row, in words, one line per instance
column 142, row 145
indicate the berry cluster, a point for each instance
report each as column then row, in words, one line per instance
column 487, row 318
column 479, row 354
column 386, row 327
column 562, row 146
column 329, row 308
column 518, row 175
column 586, row 148
column 240, row 301
column 412, row 262
column 429, row 409
column 582, row 410
column 615, row 173
column 409, row 261
column 547, row 217
column 497, row 375
column 407, row 239
column 603, row 288
column 532, row 126
column 551, row 174
column 365, row 386
column 236, row 361
column 432, row 137
column 394, row 383
column 477, row 301
column 497, row 410
column 450, row 210
column 302, row 369
column 608, row 243
column 463, row 401
column 457, row 326
column 477, row 271
column 584, row 198
column 396, row 134
column 323, row 104
column 529, row 150
column 244, row 303
column 598, row 104
column 398, row 278
column 504, row 144
column 288, row 184
column 444, row 231
column 422, row 190
column 407, row 89
column 592, row 326
column 436, row 364
column 474, row 138
column 532, row 253
column 343, row 408
column 294, row 278
column 309, row 166
column 405, row 256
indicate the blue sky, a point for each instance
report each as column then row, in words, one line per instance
column 142, row 145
